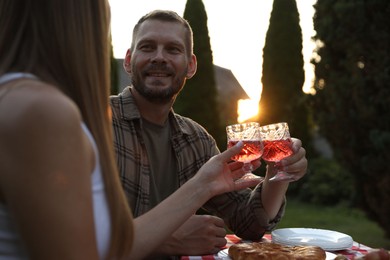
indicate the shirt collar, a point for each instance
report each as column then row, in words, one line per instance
column 130, row 112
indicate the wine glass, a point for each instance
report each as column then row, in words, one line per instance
column 249, row 134
column 277, row 146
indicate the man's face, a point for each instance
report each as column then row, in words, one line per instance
column 159, row 63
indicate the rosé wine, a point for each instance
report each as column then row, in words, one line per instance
column 276, row 150
column 252, row 150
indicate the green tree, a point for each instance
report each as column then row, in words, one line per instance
column 114, row 74
column 282, row 98
column 352, row 104
column 198, row 99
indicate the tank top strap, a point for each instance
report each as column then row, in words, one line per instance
column 15, row 75
column 8, row 77
column 91, row 139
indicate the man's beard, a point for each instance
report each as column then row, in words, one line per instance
column 155, row 94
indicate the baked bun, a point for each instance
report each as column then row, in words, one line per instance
column 272, row 251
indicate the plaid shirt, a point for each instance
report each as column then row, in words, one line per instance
column 242, row 211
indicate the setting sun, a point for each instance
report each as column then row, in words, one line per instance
column 247, row 108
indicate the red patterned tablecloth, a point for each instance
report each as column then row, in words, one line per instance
column 355, row 251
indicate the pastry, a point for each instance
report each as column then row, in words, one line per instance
column 273, row 251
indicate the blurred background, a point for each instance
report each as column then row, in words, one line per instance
column 322, row 66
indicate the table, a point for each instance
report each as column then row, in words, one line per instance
column 355, row 251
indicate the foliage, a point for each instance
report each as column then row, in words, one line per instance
column 352, row 103
column 198, row 99
column 282, row 97
column 326, row 183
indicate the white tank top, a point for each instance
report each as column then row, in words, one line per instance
column 11, row 246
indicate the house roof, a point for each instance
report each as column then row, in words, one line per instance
column 228, row 85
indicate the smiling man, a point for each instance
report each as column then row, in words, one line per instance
column 160, row 61
column 158, row 150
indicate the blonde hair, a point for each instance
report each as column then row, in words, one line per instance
column 66, row 43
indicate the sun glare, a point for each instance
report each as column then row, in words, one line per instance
column 247, row 108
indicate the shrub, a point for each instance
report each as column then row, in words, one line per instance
column 326, row 183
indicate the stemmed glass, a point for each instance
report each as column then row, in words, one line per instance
column 249, row 134
column 277, row 146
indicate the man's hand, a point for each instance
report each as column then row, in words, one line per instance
column 199, row 235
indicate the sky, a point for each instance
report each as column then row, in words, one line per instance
column 237, row 30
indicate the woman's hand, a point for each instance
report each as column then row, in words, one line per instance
column 219, row 174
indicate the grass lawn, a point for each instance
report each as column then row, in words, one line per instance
column 346, row 220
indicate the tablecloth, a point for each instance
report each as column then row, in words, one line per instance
column 355, row 251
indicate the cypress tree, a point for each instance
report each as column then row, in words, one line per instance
column 282, row 97
column 198, row 99
column 114, row 73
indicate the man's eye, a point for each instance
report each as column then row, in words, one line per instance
column 174, row 50
column 146, row 47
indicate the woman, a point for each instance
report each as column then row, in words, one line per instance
column 60, row 195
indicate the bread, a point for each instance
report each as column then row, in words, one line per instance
column 273, row 251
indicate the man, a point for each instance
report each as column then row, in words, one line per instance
column 158, row 150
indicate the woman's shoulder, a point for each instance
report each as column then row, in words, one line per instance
column 29, row 103
column 33, row 115
column 41, row 127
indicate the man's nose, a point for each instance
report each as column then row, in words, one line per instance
column 158, row 55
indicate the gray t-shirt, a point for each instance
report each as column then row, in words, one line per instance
column 164, row 180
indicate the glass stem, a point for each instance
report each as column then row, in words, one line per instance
column 247, row 167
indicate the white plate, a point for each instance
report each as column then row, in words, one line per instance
column 224, row 255
column 326, row 239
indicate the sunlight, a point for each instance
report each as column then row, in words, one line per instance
column 247, row 108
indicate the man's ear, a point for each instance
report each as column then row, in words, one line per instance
column 126, row 61
column 192, row 65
